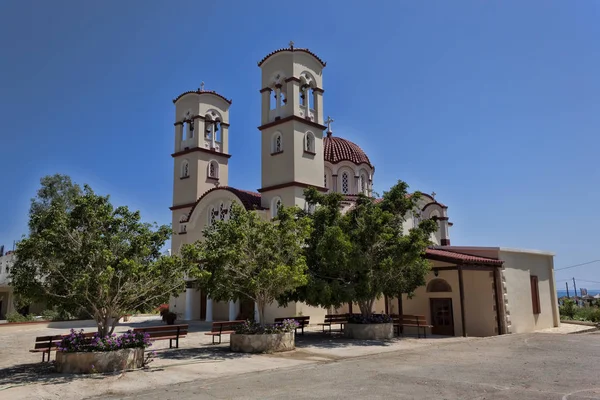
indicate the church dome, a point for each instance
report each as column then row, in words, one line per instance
column 337, row 149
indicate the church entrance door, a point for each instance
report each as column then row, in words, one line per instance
column 442, row 317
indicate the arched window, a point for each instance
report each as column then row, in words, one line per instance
column 222, row 212
column 309, row 142
column 277, row 145
column 416, row 219
column 213, row 170
column 364, row 184
column 185, row 169
column 345, row 183
column 213, row 214
column 182, row 224
column 438, row 285
column 275, row 206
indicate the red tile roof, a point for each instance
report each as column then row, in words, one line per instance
column 250, row 200
column 198, row 91
column 291, row 49
column 459, row 258
column 336, row 149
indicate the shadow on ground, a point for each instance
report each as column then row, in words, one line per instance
column 337, row 340
column 44, row 373
column 216, row 353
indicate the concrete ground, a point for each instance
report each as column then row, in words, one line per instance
column 201, row 369
column 538, row 366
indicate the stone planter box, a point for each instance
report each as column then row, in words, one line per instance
column 369, row 331
column 99, row 361
column 272, row 343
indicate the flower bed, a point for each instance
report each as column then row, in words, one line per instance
column 79, row 353
column 372, row 327
column 251, row 337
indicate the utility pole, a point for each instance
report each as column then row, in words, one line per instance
column 575, row 287
column 567, row 285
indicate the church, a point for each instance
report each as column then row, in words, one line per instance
column 475, row 291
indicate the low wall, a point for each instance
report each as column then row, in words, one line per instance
column 369, row 331
column 105, row 361
column 263, row 343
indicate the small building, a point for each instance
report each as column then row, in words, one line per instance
column 478, row 291
column 6, row 293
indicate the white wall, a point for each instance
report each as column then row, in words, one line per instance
column 518, row 267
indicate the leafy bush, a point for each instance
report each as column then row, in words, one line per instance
column 16, row 317
column 568, row 309
column 371, row 319
column 77, row 342
column 50, row 315
column 254, row 328
column 591, row 314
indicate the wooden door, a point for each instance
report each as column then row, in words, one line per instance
column 442, row 317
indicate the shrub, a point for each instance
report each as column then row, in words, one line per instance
column 253, row 328
column 568, row 309
column 51, row 315
column 77, row 342
column 370, row 319
column 16, row 317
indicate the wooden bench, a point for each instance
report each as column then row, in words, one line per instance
column 335, row 319
column 164, row 332
column 415, row 321
column 301, row 320
column 223, row 328
column 46, row 344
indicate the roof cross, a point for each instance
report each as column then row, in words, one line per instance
column 433, row 194
column 328, row 122
column 202, row 86
column 291, row 44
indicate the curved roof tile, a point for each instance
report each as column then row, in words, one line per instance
column 250, row 200
column 198, row 91
column 336, row 149
column 459, row 258
column 291, row 49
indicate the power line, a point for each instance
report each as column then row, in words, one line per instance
column 577, row 279
column 576, row 265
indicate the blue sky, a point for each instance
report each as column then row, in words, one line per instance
column 494, row 105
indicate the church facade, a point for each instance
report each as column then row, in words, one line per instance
column 469, row 289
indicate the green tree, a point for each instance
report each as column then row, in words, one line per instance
column 363, row 254
column 81, row 252
column 249, row 257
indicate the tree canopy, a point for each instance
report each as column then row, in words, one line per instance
column 81, row 252
column 363, row 254
column 250, row 257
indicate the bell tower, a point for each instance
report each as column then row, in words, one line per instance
column 200, row 157
column 291, row 126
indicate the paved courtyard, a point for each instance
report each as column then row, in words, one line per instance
column 537, row 366
column 319, row 368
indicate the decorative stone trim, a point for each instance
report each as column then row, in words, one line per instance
column 276, row 153
column 188, row 150
column 184, row 177
column 310, row 153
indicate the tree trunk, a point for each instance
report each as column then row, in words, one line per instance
column 366, row 307
column 261, row 312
